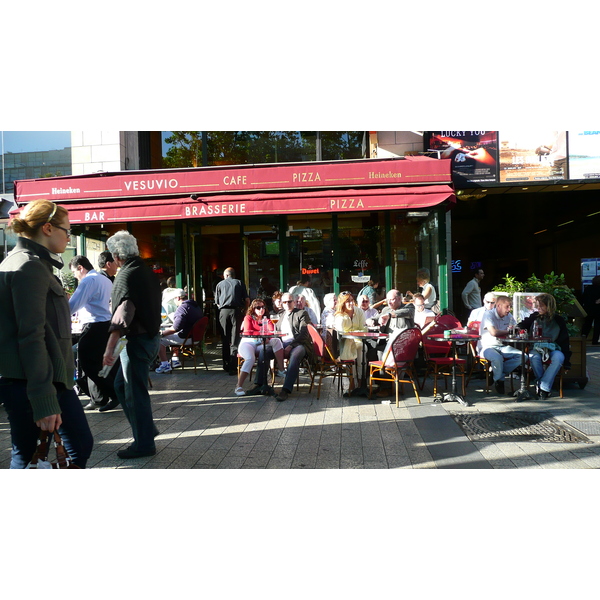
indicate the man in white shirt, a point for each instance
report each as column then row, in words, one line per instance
column 495, row 325
column 489, row 301
column 424, row 317
column 91, row 301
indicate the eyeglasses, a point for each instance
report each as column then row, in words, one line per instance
column 490, row 301
column 67, row 231
column 287, row 302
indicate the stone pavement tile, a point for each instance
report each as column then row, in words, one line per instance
column 284, row 451
column 396, row 461
column 308, row 446
column 180, row 442
column 290, row 436
column 373, row 453
column 212, row 457
column 591, row 460
column 351, row 462
column 257, row 460
column 226, row 441
column 280, row 463
column 304, row 460
column 379, row 464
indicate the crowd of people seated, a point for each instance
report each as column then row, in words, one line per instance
column 288, row 313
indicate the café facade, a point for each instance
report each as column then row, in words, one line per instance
column 342, row 223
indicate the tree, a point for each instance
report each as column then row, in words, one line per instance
column 186, row 149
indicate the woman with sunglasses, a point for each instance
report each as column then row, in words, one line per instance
column 249, row 346
column 36, row 356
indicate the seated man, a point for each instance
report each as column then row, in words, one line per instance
column 395, row 316
column 187, row 313
column 424, row 318
column 297, row 343
column 302, row 304
column 495, row 325
column 489, row 301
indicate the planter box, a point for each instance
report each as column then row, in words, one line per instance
column 577, row 373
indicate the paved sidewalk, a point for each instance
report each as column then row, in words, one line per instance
column 203, row 425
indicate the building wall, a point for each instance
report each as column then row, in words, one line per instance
column 391, row 144
column 94, row 151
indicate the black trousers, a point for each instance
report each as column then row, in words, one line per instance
column 231, row 321
column 90, row 351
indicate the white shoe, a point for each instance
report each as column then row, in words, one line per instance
column 175, row 363
column 163, row 369
column 240, row 391
column 281, row 373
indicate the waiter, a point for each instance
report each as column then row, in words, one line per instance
column 91, row 301
column 232, row 299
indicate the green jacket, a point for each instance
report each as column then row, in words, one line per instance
column 35, row 326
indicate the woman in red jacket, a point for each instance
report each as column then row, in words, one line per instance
column 249, row 346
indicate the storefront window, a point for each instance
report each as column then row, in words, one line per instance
column 310, row 251
column 414, row 246
column 361, row 251
column 156, row 243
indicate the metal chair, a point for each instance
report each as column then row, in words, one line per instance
column 404, row 350
column 192, row 346
column 326, row 365
column 439, row 361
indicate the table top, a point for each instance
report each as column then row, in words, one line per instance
column 264, row 335
column 455, row 336
column 519, row 340
column 363, row 334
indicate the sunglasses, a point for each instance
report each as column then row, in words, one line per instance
column 287, row 301
column 259, row 307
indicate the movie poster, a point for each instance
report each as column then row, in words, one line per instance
column 584, row 154
column 532, row 156
column 474, row 154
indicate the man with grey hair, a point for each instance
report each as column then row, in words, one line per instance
column 136, row 314
column 489, row 300
column 231, row 299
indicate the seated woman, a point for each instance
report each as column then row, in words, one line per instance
column 249, row 347
column 556, row 350
column 349, row 318
column 277, row 306
column 328, row 314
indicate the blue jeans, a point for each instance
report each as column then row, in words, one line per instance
column 293, row 368
column 131, row 387
column 504, row 359
column 24, row 433
column 546, row 378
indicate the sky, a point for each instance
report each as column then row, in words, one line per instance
column 33, row 141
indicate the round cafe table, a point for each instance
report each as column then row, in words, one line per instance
column 265, row 389
column 363, row 390
column 523, row 393
column 455, row 338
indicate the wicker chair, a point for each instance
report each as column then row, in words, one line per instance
column 404, row 349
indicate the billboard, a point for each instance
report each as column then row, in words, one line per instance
column 533, row 156
column 584, row 155
column 474, row 154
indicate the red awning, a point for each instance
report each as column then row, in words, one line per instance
column 232, row 205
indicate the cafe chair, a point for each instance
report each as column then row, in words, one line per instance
column 449, row 321
column 326, row 365
column 439, row 361
column 401, row 369
column 192, row 346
